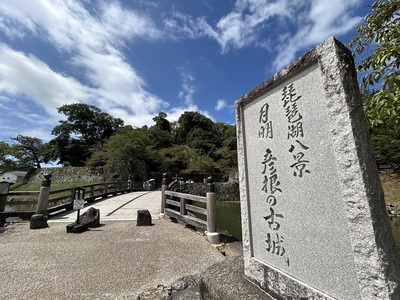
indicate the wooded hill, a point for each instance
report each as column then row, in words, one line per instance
column 89, row 137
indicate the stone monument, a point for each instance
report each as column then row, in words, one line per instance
column 313, row 214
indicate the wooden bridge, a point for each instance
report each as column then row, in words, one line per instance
column 197, row 211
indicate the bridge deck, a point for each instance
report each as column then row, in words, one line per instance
column 122, row 207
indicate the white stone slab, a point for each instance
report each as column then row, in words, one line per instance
column 313, row 215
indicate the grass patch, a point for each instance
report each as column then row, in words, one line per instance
column 54, row 186
column 35, row 187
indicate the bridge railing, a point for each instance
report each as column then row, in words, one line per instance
column 185, row 208
column 62, row 199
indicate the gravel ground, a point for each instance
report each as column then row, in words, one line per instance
column 115, row 261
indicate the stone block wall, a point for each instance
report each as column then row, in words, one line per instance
column 227, row 191
column 69, row 174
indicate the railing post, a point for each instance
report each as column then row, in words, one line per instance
column 105, row 190
column 116, row 188
column 183, row 206
column 164, row 187
column 212, row 234
column 71, row 198
column 129, row 185
column 39, row 219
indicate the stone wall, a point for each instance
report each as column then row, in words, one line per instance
column 68, row 174
column 227, row 191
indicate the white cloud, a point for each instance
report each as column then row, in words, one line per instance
column 187, row 94
column 325, row 18
column 221, row 104
column 188, row 88
column 180, row 25
column 23, row 117
column 26, row 75
column 122, row 23
column 240, row 28
column 243, row 25
column 92, row 42
column 292, row 26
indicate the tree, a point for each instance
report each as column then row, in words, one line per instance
column 378, row 43
column 31, row 152
column 160, row 133
column 87, row 128
column 386, row 145
column 184, row 159
column 174, row 159
column 225, row 153
column 7, row 163
column 161, row 122
column 197, row 131
column 125, row 154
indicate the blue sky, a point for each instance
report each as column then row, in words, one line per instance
column 136, row 58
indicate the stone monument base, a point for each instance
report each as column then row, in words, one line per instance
column 225, row 280
column 38, row 221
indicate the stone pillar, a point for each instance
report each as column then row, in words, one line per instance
column 43, row 200
column 39, row 219
column 164, row 187
column 212, row 234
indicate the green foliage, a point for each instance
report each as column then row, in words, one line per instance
column 201, row 139
column 70, row 152
column 7, row 163
column 175, row 159
column 161, row 122
column 386, row 145
column 191, row 121
column 193, row 145
column 30, row 152
column 125, row 154
column 378, row 44
column 85, row 129
column 160, row 133
column 200, row 164
column 377, row 50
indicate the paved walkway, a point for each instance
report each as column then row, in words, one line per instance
column 122, row 207
column 115, row 261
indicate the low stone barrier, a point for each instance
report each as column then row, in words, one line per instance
column 69, row 174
